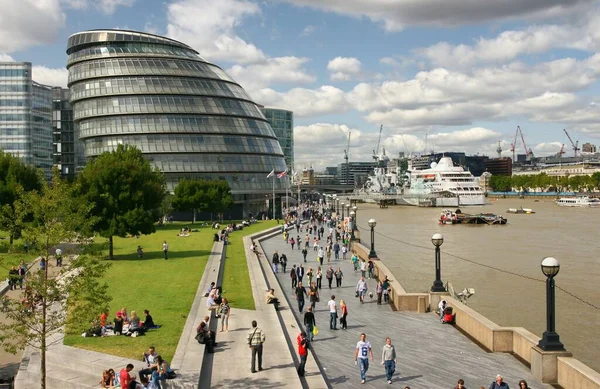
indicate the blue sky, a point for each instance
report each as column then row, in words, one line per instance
column 464, row 72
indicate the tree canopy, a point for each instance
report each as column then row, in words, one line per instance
column 545, row 182
column 16, row 178
column 126, row 193
column 202, row 195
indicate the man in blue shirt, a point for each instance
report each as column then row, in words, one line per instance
column 499, row 383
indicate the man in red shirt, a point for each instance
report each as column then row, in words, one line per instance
column 302, row 351
column 125, row 378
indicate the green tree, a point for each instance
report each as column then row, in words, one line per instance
column 166, row 207
column 126, row 193
column 595, row 181
column 202, row 195
column 16, row 178
column 52, row 216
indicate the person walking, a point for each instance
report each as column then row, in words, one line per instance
column 298, row 242
column 224, row 312
column 371, row 267
column 300, row 272
column 329, row 276
column 319, row 277
column 344, row 309
column 300, row 293
column 363, row 268
column 379, row 291
column 313, row 295
column 275, row 261
column 388, row 359
column 256, row 339
column 361, row 356
column 294, row 277
column 283, row 262
column 166, row 249
column 309, row 323
column 338, row 277
column 386, row 289
column 320, row 256
column 354, row 259
column 499, row 383
column 292, row 242
column 303, row 344
column 304, row 253
column 336, row 251
column 361, row 289
column 332, row 313
column 344, row 252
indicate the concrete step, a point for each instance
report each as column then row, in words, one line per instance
column 94, row 362
column 57, row 376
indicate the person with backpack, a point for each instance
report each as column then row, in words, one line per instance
column 294, row 277
column 275, row 262
column 283, row 262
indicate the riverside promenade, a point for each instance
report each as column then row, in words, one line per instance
column 429, row 354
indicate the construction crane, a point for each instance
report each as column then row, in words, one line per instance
column 499, row 150
column 376, row 152
column 513, row 145
column 346, row 158
column 574, row 144
column 561, row 152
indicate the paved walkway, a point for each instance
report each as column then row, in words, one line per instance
column 430, row 354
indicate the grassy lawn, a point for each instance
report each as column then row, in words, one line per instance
column 166, row 288
column 236, row 280
column 7, row 260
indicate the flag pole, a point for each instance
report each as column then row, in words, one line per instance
column 273, row 196
column 287, row 198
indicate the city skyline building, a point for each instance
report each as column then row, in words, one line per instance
column 25, row 116
column 64, row 142
column 282, row 122
column 187, row 116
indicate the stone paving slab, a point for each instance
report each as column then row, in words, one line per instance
column 430, row 354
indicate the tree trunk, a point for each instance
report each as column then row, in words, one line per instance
column 194, row 215
column 110, row 247
column 12, row 237
column 43, row 344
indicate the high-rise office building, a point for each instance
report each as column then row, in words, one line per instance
column 355, row 173
column 282, row 122
column 63, row 132
column 186, row 115
column 25, row 116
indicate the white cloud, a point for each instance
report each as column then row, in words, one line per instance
column 27, row 23
column 398, row 14
column 6, row 58
column 106, row 6
column 389, row 61
column 508, row 45
column 475, row 135
column 305, row 102
column 308, row 30
column 288, row 70
column 344, row 68
column 51, row 77
column 548, row 148
column 210, row 27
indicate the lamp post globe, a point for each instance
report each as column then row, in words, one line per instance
column 372, row 223
column 550, row 340
column 438, row 285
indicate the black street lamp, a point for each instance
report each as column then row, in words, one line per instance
column 348, row 209
column 550, row 340
column 438, row 285
column 372, row 224
column 342, row 205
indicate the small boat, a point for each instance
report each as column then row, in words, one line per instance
column 580, row 201
column 520, row 210
column 457, row 217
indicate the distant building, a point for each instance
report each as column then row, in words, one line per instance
column 325, row 179
column 588, row 148
column 499, row 166
column 282, row 122
column 63, row 137
column 331, row 170
column 25, row 116
column 354, row 173
column 308, row 176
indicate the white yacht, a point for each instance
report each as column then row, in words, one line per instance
column 580, row 201
column 449, row 185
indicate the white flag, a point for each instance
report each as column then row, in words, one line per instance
column 271, row 174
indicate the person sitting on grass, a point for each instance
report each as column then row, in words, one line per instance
column 140, row 252
column 148, row 321
column 150, row 358
column 134, row 325
column 118, row 328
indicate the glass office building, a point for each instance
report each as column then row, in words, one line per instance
column 187, row 116
column 63, row 132
column 282, row 122
column 25, row 116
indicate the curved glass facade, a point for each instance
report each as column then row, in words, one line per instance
column 187, row 116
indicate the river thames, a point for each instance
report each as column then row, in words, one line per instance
column 568, row 234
